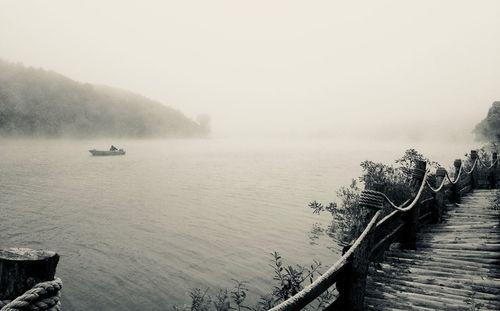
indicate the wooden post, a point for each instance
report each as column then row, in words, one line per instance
column 437, row 211
column 22, row 268
column 351, row 284
column 457, row 186
column 494, row 173
column 473, row 175
column 409, row 236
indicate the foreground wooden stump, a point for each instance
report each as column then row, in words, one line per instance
column 21, row 268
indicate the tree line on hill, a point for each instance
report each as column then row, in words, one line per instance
column 489, row 128
column 40, row 103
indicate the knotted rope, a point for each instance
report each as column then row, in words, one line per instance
column 372, row 199
column 42, row 297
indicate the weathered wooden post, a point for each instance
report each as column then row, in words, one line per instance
column 437, row 211
column 473, row 175
column 494, row 173
column 21, row 268
column 456, row 198
column 351, row 284
column 409, row 236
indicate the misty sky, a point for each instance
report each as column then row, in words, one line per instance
column 327, row 68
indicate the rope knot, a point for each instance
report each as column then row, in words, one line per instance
column 371, row 199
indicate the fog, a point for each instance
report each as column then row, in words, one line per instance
column 393, row 69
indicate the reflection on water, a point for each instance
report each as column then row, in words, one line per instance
column 136, row 232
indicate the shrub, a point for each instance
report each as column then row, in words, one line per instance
column 289, row 280
column 348, row 219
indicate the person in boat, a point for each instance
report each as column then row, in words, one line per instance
column 113, row 148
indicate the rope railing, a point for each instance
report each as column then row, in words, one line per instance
column 436, row 190
column 472, row 169
column 477, row 162
column 323, row 282
column 488, row 166
column 457, row 178
column 375, row 200
column 367, row 195
column 370, row 194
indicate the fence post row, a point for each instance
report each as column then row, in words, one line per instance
column 351, row 284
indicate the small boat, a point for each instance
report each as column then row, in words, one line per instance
column 107, row 152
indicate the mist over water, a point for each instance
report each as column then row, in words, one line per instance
column 138, row 232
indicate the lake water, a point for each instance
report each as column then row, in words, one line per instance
column 137, row 232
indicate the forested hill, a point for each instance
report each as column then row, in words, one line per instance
column 39, row 103
column 489, row 128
